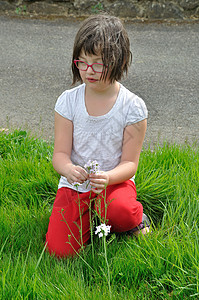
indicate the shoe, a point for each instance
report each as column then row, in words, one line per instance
column 145, row 223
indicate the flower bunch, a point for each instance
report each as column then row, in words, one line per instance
column 103, row 230
column 92, row 167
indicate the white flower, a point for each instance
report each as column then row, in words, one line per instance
column 103, row 230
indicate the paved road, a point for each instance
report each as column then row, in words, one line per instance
column 35, row 70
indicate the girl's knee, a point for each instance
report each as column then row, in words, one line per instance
column 61, row 247
column 65, row 237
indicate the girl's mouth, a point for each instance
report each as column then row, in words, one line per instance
column 91, row 80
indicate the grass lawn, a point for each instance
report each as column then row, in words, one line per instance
column 165, row 265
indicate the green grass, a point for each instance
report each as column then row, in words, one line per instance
column 165, row 265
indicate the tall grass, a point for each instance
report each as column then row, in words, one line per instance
column 165, row 265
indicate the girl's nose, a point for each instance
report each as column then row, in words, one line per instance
column 90, row 71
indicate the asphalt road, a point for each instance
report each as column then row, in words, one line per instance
column 35, row 69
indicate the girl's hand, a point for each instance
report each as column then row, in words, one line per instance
column 76, row 174
column 98, row 182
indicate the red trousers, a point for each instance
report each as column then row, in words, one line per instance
column 69, row 225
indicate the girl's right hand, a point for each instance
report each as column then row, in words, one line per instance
column 76, row 174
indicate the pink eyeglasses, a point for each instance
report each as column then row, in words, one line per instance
column 83, row 66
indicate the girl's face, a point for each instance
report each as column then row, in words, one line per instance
column 90, row 77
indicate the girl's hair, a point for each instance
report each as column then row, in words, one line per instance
column 103, row 35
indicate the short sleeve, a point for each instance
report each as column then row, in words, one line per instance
column 63, row 106
column 137, row 111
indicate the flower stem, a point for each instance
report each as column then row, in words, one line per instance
column 91, row 229
column 80, row 217
column 108, row 270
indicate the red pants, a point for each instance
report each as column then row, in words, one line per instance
column 121, row 211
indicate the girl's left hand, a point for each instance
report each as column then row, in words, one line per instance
column 99, row 181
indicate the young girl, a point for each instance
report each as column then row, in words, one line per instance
column 98, row 120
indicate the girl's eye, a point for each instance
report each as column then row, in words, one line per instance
column 98, row 67
column 82, row 65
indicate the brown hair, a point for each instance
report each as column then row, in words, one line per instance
column 104, row 34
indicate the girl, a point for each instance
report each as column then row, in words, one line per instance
column 98, row 120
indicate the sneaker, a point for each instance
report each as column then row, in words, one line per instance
column 145, row 223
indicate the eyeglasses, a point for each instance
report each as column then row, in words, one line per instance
column 83, row 66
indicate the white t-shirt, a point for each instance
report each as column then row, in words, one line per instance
column 98, row 138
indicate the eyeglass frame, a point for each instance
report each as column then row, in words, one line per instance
column 91, row 66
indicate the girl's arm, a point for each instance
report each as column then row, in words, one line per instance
column 62, row 151
column 132, row 145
